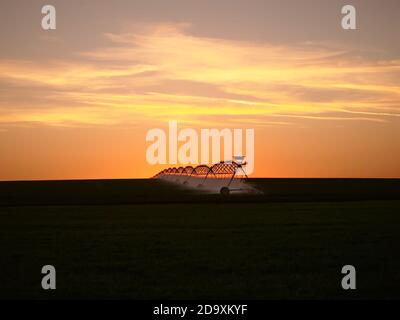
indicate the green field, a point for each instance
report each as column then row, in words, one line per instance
column 251, row 250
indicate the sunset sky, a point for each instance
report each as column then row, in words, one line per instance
column 76, row 102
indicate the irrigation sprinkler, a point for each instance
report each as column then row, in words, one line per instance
column 224, row 170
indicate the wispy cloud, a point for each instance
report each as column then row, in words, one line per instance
column 163, row 71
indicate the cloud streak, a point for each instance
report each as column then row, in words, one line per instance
column 163, row 71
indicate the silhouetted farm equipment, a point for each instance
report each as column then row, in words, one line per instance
column 223, row 175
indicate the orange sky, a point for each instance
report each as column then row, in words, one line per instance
column 76, row 109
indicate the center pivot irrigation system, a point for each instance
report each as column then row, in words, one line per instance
column 228, row 176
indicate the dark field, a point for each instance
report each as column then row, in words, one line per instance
column 181, row 248
column 149, row 191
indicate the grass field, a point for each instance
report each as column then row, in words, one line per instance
column 251, row 250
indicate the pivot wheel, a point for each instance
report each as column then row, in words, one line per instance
column 224, row 191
